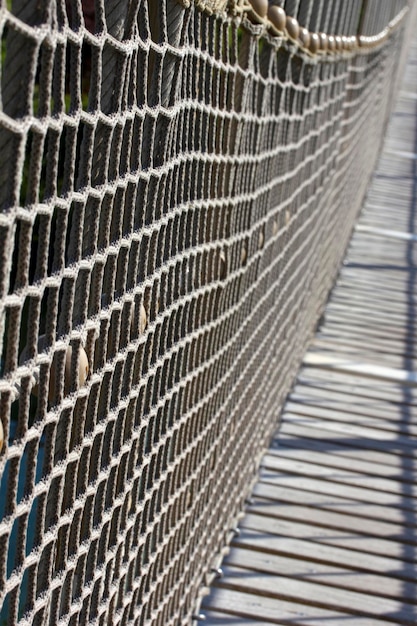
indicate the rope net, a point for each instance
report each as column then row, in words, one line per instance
column 177, row 188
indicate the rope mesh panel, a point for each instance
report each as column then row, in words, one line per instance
column 176, row 193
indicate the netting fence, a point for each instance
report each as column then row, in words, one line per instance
column 178, row 183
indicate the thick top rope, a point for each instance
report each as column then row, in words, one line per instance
column 277, row 22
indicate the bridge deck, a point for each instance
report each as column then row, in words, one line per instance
column 330, row 536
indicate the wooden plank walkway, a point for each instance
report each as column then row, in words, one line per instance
column 330, row 534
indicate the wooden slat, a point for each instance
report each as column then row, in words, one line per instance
column 315, row 455
column 354, row 339
column 385, row 440
column 328, row 536
column 390, row 594
column 218, row 618
column 387, row 308
column 331, row 452
column 345, row 490
column 353, row 440
column 353, row 525
column 341, row 398
column 361, row 280
column 360, row 562
column 369, row 368
column 285, row 588
column 279, row 463
column 304, row 407
column 381, row 329
column 384, row 232
column 249, row 602
column 335, row 503
column 390, row 416
column 369, row 351
column 361, row 387
column 353, row 309
column 391, row 390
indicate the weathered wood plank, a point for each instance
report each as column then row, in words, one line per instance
column 315, row 455
column 374, row 483
column 300, row 404
column 399, row 287
column 320, row 534
column 374, row 316
column 331, row 434
column 387, row 233
column 334, row 502
column 370, row 528
column 349, row 296
column 361, row 562
column 396, row 414
column 354, row 339
column 352, row 492
column 364, row 388
column 367, row 354
column 313, row 594
column 362, row 584
column 218, row 618
column 331, row 452
column 365, row 351
column 246, row 602
column 358, row 386
column 372, row 369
